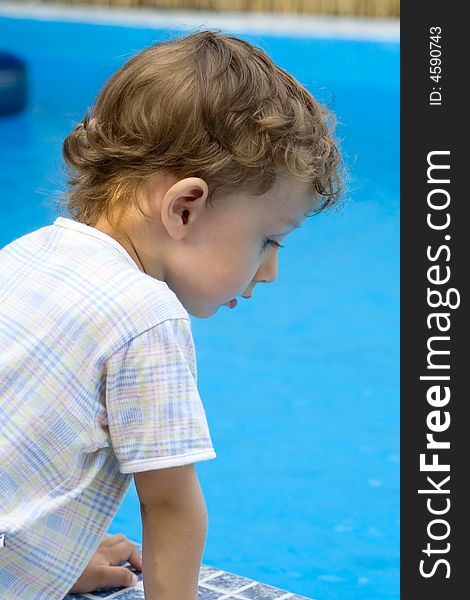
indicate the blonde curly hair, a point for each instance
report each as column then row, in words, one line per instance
column 207, row 105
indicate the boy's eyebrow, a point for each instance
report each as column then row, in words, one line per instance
column 292, row 223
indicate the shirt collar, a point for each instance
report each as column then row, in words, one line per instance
column 87, row 229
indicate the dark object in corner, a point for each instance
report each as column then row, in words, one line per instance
column 13, row 84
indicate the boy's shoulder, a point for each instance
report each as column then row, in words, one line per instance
column 81, row 280
column 122, row 296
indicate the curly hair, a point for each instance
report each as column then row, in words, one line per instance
column 207, row 105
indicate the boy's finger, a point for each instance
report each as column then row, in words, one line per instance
column 124, row 551
column 116, row 576
column 135, row 559
column 112, row 540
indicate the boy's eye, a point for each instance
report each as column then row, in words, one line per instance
column 268, row 242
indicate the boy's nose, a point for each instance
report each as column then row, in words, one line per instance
column 267, row 273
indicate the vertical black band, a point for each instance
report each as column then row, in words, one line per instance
column 434, row 289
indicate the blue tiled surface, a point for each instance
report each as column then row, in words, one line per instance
column 214, row 584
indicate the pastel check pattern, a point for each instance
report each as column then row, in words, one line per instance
column 98, row 380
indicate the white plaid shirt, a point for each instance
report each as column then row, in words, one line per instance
column 98, row 380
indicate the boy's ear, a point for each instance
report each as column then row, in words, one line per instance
column 182, row 204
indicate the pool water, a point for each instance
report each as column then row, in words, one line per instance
column 300, row 384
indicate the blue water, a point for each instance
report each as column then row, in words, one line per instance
column 300, row 384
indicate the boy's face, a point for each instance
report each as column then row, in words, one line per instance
column 209, row 255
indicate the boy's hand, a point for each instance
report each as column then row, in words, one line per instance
column 100, row 573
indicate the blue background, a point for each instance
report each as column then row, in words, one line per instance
column 300, row 383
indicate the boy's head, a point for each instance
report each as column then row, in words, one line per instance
column 195, row 153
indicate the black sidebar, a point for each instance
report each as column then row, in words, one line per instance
column 435, row 270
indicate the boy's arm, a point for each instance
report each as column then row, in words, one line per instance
column 174, row 527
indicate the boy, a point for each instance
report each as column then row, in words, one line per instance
column 198, row 157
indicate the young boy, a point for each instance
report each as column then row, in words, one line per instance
column 198, row 157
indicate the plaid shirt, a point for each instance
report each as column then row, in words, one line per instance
column 98, row 380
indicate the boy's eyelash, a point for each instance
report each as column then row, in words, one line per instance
column 267, row 242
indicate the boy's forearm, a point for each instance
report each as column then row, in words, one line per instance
column 172, row 547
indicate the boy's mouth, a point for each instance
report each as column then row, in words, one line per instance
column 232, row 303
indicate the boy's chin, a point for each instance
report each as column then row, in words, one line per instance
column 203, row 313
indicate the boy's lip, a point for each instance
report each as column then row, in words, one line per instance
column 231, row 303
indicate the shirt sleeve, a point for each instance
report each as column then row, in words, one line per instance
column 155, row 415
